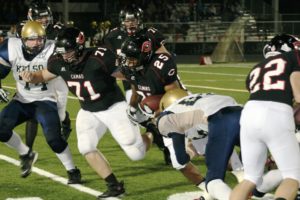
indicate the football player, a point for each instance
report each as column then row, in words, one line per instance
column 41, row 12
column 267, row 121
column 87, row 73
column 32, row 101
column 150, row 72
column 131, row 23
column 217, row 114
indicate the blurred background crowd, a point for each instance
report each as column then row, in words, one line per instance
column 193, row 26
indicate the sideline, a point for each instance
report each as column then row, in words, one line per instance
column 57, row 178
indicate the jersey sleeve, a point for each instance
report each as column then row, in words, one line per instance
column 169, row 71
column 106, row 58
column 110, row 39
column 156, row 37
column 53, row 64
column 4, row 60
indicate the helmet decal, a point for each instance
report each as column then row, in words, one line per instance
column 80, row 39
column 146, row 47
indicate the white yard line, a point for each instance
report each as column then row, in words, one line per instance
column 25, row 198
column 56, row 178
column 216, row 88
column 212, row 73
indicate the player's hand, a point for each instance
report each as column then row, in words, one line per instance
column 136, row 115
column 26, row 76
column 146, row 110
column 4, row 95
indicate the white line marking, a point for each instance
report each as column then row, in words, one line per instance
column 225, row 65
column 25, row 198
column 57, row 178
column 216, row 88
column 212, row 73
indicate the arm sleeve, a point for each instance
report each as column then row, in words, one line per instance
column 4, row 60
column 156, row 37
column 53, row 64
column 109, row 60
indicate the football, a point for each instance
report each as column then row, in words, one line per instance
column 150, row 102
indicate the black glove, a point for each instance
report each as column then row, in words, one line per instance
column 4, row 95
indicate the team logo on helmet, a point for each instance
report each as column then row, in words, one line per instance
column 80, row 39
column 146, row 47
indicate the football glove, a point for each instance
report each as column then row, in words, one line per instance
column 136, row 115
column 147, row 111
column 4, row 95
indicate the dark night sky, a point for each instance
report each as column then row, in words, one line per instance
column 287, row 6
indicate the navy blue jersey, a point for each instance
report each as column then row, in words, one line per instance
column 269, row 80
column 91, row 79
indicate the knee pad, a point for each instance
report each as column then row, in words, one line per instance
column 5, row 135
column 86, row 149
column 85, row 146
column 135, row 151
column 6, row 127
column 57, row 145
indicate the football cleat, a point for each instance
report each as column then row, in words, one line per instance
column 66, row 127
column 74, row 176
column 113, row 190
column 27, row 162
column 267, row 196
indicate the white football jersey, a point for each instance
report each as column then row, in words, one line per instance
column 27, row 92
column 207, row 102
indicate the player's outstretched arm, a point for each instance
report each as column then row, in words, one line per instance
column 37, row 77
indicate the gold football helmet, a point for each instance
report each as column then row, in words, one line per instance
column 170, row 97
column 33, row 31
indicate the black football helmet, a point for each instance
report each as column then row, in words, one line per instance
column 39, row 11
column 69, row 40
column 280, row 44
column 136, row 52
column 133, row 14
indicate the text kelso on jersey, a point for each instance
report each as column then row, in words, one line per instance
column 32, row 68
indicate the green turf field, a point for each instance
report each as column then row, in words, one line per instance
column 146, row 179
